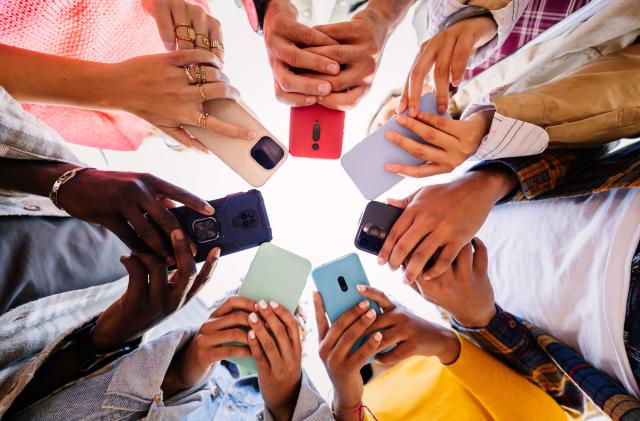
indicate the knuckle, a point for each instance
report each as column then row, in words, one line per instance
column 349, row 336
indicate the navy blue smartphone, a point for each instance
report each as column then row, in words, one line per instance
column 240, row 222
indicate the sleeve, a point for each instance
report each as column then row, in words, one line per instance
column 22, row 136
column 505, row 13
column 486, row 378
column 310, row 405
column 561, row 372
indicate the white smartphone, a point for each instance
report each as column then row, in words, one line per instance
column 254, row 160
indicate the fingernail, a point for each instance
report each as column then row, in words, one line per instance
column 177, row 235
column 371, row 314
column 253, row 318
column 377, row 336
column 170, row 46
column 324, row 88
column 216, row 252
column 426, row 277
column 381, row 261
column 364, row 304
column 320, row 99
column 441, row 109
column 262, row 304
column 194, row 249
column 413, row 111
column 273, row 304
column 251, row 134
column 316, row 295
column 209, row 209
column 333, row 68
column 310, row 100
column 401, row 119
column 456, row 82
column 407, row 281
column 361, row 288
column 252, row 334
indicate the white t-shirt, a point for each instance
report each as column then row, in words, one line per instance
column 564, row 265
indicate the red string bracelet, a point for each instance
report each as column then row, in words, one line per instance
column 360, row 409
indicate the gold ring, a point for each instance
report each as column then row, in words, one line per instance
column 189, row 36
column 205, row 41
column 217, row 45
column 203, row 73
column 204, row 97
column 187, row 71
column 202, row 120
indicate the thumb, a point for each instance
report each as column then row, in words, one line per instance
column 138, row 276
column 401, row 203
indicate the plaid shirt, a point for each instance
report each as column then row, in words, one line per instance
column 555, row 367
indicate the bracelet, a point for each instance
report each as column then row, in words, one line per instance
column 360, row 410
column 464, row 13
column 53, row 194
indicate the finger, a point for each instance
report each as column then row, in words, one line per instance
column 376, row 295
column 428, row 133
column 480, row 257
column 158, row 277
column 367, row 350
column 121, row 228
column 306, row 59
column 292, row 83
column 343, row 101
column 235, row 302
column 302, row 34
column 206, row 271
column 347, row 79
column 167, row 203
column 353, row 334
column 446, row 257
column 258, row 353
column 266, row 341
column 321, row 317
column 160, row 215
column 225, row 336
column 427, row 169
column 198, row 18
column 464, row 261
column 227, row 129
column 343, row 54
column 179, row 14
column 402, row 203
column 441, row 74
column 419, row 72
column 227, row 352
column 148, row 233
column 421, row 255
column 343, row 323
column 182, row 136
column 173, row 192
column 291, row 324
column 460, row 58
column 417, row 149
column 441, row 123
column 193, row 56
column 407, row 243
column 212, row 75
column 166, row 29
column 404, row 98
column 215, row 90
column 397, row 231
column 293, row 99
column 138, row 276
column 235, row 319
column 184, row 277
column 279, row 330
column 341, row 31
column 215, row 34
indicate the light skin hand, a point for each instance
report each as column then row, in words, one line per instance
column 448, row 52
column 285, row 40
column 449, row 142
column 464, row 289
column 442, row 217
column 274, row 340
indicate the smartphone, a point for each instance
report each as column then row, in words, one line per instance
column 316, row 132
column 336, row 282
column 254, row 160
column 374, row 226
column 240, row 222
column 275, row 274
column 364, row 163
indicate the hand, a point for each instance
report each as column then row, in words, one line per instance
column 449, row 142
column 130, row 205
column 156, row 88
column 152, row 294
column 275, row 344
column 411, row 334
column 361, row 43
column 169, row 13
column 442, row 217
column 336, row 344
column 449, row 51
column 284, row 38
column 464, row 289
column 211, row 344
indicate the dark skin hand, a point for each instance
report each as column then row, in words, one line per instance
column 151, row 296
column 131, row 205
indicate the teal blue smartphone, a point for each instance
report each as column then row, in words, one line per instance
column 336, row 282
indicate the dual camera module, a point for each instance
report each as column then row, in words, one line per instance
column 208, row 229
column 315, row 135
column 372, row 237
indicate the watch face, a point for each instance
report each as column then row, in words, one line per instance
column 252, row 14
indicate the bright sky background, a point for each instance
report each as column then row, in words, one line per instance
column 313, row 206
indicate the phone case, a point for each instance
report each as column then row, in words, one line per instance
column 274, row 274
column 240, row 222
column 254, row 160
column 375, row 223
column 364, row 163
column 316, row 132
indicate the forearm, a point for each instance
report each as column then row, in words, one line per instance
column 35, row 177
column 31, row 76
column 494, row 181
column 390, row 11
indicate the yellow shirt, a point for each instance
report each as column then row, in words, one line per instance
column 476, row 387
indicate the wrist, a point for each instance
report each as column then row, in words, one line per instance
column 479, row 320
column 497, row 181
column 450, row 347
column 346, row 411
column 284, row 410
column 388, row 13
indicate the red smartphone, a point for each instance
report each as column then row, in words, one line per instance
column 316, row 132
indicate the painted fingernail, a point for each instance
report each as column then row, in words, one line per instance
column 371, row 314
column 381, row 261
column 177, row 235
column 401, row 119
column 262, row 304
column 364, row 304
column 252, row 334
column 253, row 318
column 426, row 277
column 324, row 88
column 361, row 288
column 273, row 304
column 377, row 336
column 333, row 68
column 310, row 100
column 250, row 134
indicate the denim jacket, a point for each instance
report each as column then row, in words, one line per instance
column 130, row 388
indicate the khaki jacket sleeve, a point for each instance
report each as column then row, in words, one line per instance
column 594, row 104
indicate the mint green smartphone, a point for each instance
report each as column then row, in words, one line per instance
column 275, row 274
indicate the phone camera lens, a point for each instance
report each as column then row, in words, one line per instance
column 243, row 216
column 363, row 242
column 374, row 232
column 377, row 245
column 245, row 224
column 343, row 284
column 315, row 146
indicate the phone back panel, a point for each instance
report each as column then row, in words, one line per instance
column 365, row 161
column 316, row 132
column 240, row 222
column 375, row 223
column 254, row 160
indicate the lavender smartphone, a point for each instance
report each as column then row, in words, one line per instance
column 365, row 161
column 375, row 223
column 240, row 222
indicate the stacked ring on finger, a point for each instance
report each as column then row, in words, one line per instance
column 202, row 120
column 217, row 45
column 205, row 41
column 187, row 71
column 190, row 36
column 202, row 95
